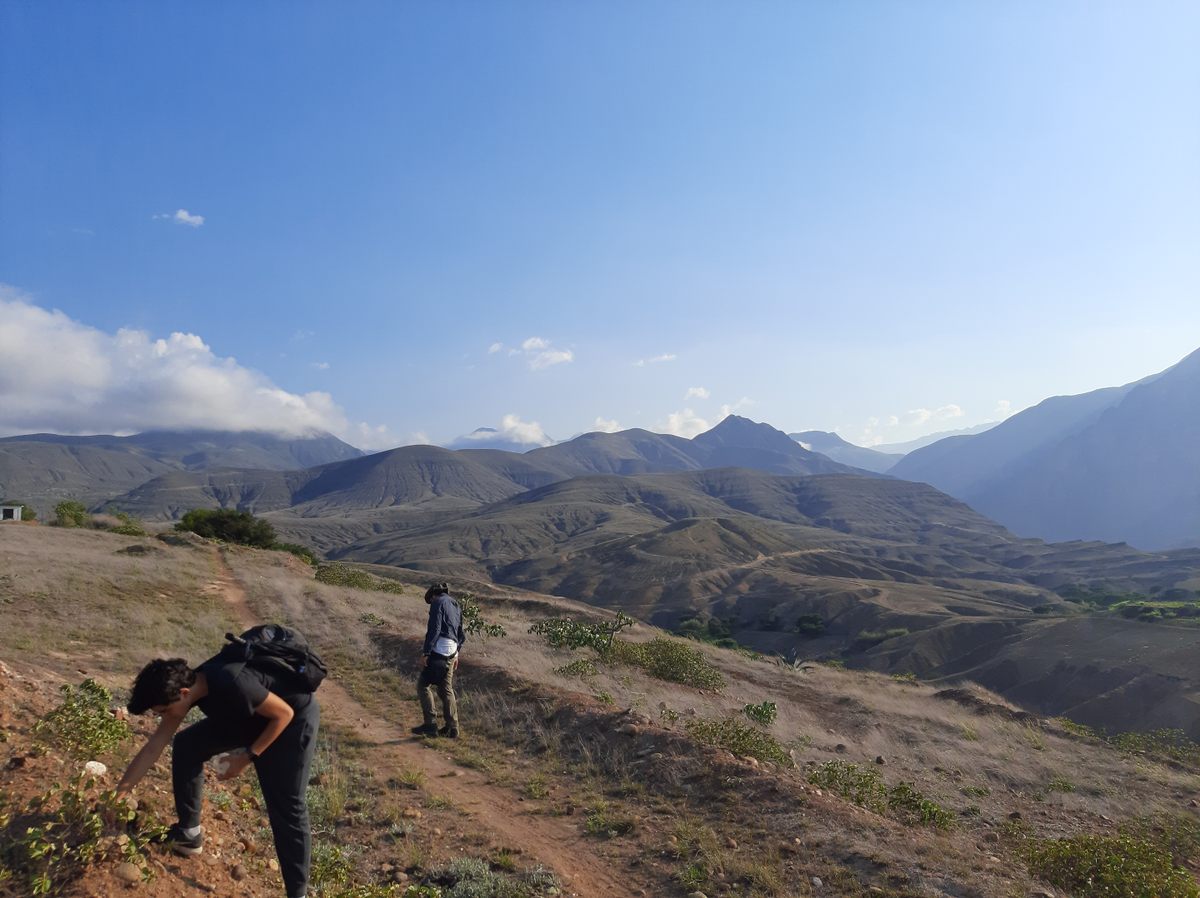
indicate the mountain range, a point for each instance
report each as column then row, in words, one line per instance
column 1117, row 464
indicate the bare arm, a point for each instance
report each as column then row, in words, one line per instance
column 150, row 752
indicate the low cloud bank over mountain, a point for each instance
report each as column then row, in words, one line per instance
column 60, row 375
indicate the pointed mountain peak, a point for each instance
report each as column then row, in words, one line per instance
column 738, row 431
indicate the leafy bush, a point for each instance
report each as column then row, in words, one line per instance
column 739, row 738
column 1121, row 866
column 763, row 713
column 1173, row 744
column 82, row 725
column 473, row 622
column 580, row 667
column 810, row 625
column 70, row 513
column 666, row 659
column 865, row 787
column 129, row 526
column 49, row 841
column 229, row 525
column 561, row 632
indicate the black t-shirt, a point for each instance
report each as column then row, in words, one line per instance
column 236, row 689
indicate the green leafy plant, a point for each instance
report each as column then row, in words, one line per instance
column 868, row 638
column 667, row 659
column 865, row 787
column 561, row 632
column 763, row 713
column 48, row 842
column 580, row 667
column 82, row 725
column 129, row 526
column 739, row 738
column 70, row 513
column 473, row 621
column 371, row 620
column 1120, row 866
column 229, row 525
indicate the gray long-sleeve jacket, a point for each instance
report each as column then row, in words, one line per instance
column 445, row 619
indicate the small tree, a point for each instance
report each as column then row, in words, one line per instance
column 70, row 513
column 229, row 525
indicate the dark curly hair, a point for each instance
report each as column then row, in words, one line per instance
column 160, row 683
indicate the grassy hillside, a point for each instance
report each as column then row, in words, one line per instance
column 582, row 773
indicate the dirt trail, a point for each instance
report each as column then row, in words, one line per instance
column 555, row 842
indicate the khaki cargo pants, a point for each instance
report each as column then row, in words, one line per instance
column 438, row 674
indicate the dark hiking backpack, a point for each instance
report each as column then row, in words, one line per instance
column 278, row 651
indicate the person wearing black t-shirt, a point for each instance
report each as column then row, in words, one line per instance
column 253, row 717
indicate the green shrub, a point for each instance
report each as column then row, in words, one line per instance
column 810, row 625
column 229, row 525
column 82, row 725
column 49, row 841
column 865, row 787
column 763, row 713
column 337, row 574
column 909, row 678
column 909, row 805
column 1121, row 866
column 129, row 526
column 739, row 738
column 666, row 659
column 561, row 632
column 473, row 622
column 1173, row 744
column 580, row 667
column 70, row 513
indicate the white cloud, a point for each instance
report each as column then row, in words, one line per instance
column 606, row 425
column 685, row 423
column 658, row 359
column 1003, row 410
column 63, row 376
column 495, row 348
column 727, row 410
column 183, row 217
column 696, row 392
column 512, row 429
column 918, row 416
column 539, row 353
column 321, row 366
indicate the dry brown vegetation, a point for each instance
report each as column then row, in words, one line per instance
column 601, row 763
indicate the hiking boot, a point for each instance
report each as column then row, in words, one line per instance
column 184, row 844
column 449, row 731
column 425, row 729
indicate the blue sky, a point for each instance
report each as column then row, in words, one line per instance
column 404, row 221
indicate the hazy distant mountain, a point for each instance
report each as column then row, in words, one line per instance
column 46, row 468
column 1114, row 464
column 833, row 446
column 931, row 438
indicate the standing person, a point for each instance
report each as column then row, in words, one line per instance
column 260, row 717
column 439, row 657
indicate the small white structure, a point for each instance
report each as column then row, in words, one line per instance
column 10, row 512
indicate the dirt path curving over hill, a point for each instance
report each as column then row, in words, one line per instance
column 555, row 842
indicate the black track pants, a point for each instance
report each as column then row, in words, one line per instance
column 283, row 773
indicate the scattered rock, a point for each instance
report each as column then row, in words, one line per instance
column 696, row 895
column 879, row 759
column 1015, row 815
column 816, row 881
column 411, row 814
column 273, row 864
column 840, row 748
column 128, row 873
column 628, row 729
column 730, row 842
column 238, row 872
column 991, row 837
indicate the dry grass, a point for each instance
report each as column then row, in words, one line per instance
column 547, row 737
